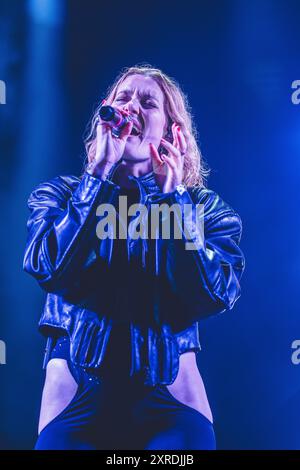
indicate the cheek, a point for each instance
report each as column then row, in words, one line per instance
column 156, row 125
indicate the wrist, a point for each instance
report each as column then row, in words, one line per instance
column 180, row 188
column 99, row 170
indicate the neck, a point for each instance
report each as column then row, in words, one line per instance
column 127, row 168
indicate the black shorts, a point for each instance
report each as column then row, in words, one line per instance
column 123, row 414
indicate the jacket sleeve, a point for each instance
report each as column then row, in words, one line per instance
column 207, row 277
column 62, row 227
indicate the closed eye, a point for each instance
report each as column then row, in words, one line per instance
column 148, row 103
column 152, row 105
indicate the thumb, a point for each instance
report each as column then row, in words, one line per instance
column 125, row 132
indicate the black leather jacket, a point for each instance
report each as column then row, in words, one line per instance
column 159, row 290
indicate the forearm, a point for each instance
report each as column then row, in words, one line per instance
column 203, row 266
column 101, row 171
column 61, row 233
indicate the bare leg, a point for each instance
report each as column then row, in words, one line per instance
column 59, row 389
column 188, row 386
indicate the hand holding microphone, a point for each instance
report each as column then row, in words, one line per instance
column 114, row 118
column 113, row 128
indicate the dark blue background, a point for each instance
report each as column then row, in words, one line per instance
column 236, row 60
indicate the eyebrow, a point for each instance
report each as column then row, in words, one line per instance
column 147, row 93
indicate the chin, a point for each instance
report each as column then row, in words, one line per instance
column 135, row 158
column 138, row 155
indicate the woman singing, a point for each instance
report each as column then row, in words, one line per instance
column 122, row 311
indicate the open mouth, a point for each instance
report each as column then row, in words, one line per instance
column 135, row 131
column 137, row 128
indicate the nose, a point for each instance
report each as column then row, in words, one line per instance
column 132, row 106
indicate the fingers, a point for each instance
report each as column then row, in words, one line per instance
column 181, row 140
column 101, row 128
column 175, row 156
column 158, row 163
column 175, row 136
column 170, row 162
column 125, row 132
column 155, row 154
column 170, row 147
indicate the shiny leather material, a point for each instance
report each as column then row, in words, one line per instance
column 159, row 290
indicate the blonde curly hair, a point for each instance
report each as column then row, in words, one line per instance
column 177, row 109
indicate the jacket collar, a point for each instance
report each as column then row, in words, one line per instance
column 146, row 183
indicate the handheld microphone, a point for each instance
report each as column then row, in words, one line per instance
column 114, row 118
